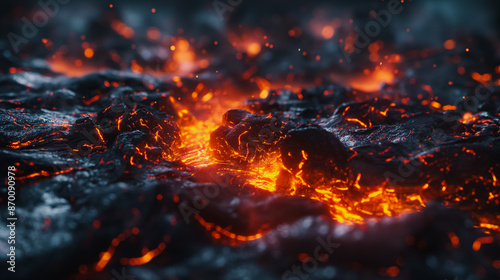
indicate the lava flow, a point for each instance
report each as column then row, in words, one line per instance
column 263, row 168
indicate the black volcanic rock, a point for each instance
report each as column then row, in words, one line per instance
column 247, row 137
column 235, row 116
column 162, row 130
column 315, row 152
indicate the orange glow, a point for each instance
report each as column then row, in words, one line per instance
column 106, row 256
column 136, row 68
column 207, row 97
column 481, row 78
column 249, row 41
column 357, row 121
column 264, row 87
column 147, row 257
column 327, row 32
column 476, row 246
column 373, row 81
column 263, row 94
column 455, row 241
column 195, row 133
column 122, row 29
column 449, row 44
column 183, row 57
column 89, row 53
column 203, row 63
column 467, row 117
column 489, row 226
column 253, row 49
column 153, row 33
column 435, row 104
column 68, row 68
column 234, row 239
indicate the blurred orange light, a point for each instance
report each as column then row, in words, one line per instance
column 253, row 49
column 153, row 33
column 327, row 32
column 263, row 94
column 449, row 44
column 393, row 271
column 122, row 29
column 204, row 63
column 88, row 53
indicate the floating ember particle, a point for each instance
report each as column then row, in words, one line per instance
column 449, row 44
column 89, row 53
column 253, row 49
column 327, row 32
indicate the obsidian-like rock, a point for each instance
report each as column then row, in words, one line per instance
column 162, row 131
column 235, row 116
column 316, row 153
column 219, row 147
column 248, row 140
column 84, row 137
